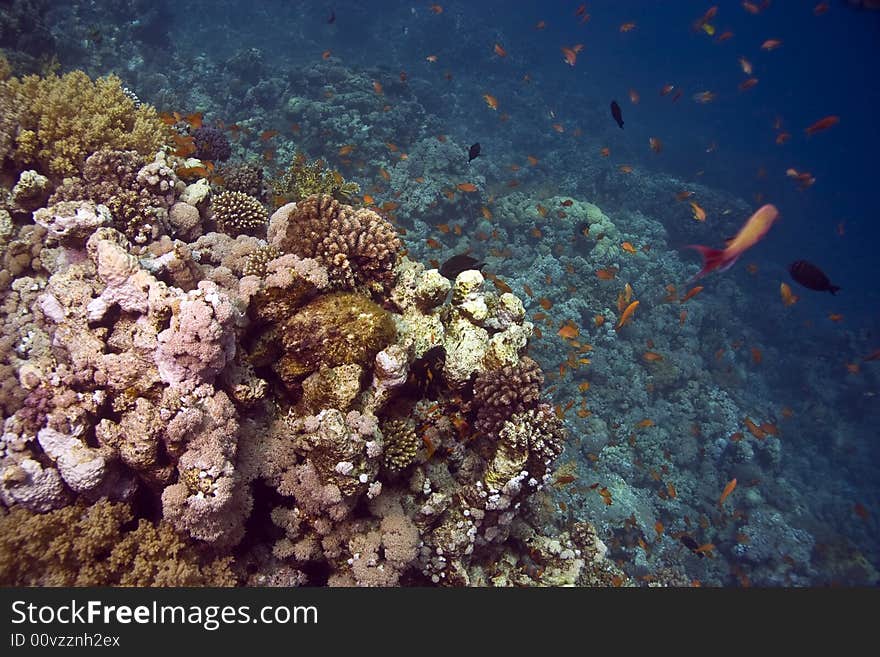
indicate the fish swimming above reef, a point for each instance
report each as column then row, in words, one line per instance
column 459, row 263
column 474, row 152
column 750, row 234
column 616, row 113
column 811, row 277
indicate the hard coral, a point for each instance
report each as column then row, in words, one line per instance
column 62, row 120
column 334, row 329
column 211, row 144
column 500, row 393
column 237, row 213
column 303, row 179
column 358, row 247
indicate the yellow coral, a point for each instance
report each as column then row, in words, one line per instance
column 62, row 120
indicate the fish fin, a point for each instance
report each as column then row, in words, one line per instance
column 712, row 259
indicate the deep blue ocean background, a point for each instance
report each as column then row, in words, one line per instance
column 812, row 382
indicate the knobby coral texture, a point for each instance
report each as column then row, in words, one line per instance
column 195, row 395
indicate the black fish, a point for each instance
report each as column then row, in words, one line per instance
column 616, row 113
column 459, row 263
column 332, row 18
column 474, row 151
column 811, row 277
column 691, row 545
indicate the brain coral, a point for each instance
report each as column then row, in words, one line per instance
column 358, row 247
column 62, row 120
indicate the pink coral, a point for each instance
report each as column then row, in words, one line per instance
column 201, row 339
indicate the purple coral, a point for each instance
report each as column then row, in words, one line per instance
column 211, row 144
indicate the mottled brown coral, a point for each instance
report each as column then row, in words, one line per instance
column 64, row 119
column 358, row 247
column 500, row 393
column 92, row 546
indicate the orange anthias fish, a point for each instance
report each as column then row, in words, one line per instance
column 728, row 489
column 822, row 124
column 656, row 144
column 692, row 293
column 699, row 213
column 499, row 50
column 569, row 55
column 467, row 187
column 634, row 96
column 627, row 315
column 491, row 101
column 755, row 228
column 377, row 87
column 627, row 27
column 788, row 298
column 771, row 44
column 745, row 65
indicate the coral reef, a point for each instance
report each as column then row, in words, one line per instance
column 303, row 179
column 62, row 120
column 211, row 144
column 358, row 247
column 237, row 213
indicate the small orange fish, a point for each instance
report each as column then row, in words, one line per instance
column 385, row 175
column 326, row 54
column 658, row 527
column 486, row 212
column 745, row 65
column 541, row 210
column 652, row 356
column 667, row 89
column 820, row 9
column 501, row 52
column 369, row 200
column 437, row 9
column 170, row 118
column 683, row 195
column 644, row 424
column 466, row 187
column 728, row 489
column 569, row 55
column 568, row 331
column 346, row 150
column 194, row 120
column 704, row 97
column 853, row 368
column 605, row 151
column 655, row 144
column 545, row 303
column 634, row 96
column 558, row 127
column 431, row 58
column 266, row 135
column 432, row 243
column 822, row 124
column 377, row 87
column 724, row 36
column 606, row 274
column 627, row 315
column 835, row 317
column 751, row 7
column 736, row 437
column 681, row 317
column 625, row 168
column 599, row 320
column 540, row 25
column 671, row 492
column 757, row 356
column 747, row 84
column 628, row 247
column 491, row 101
column 627, row 27
column 782, row 137
column 785, row 292
column 754, row 429
column 699, row 213
column 694, row 291
column 771, row 44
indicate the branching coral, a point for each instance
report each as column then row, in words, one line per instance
column 358, row 247
column 236, row 213
column 62, row 120
column 303, row 179
column 500, row 393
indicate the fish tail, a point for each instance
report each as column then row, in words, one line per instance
column 712, row 259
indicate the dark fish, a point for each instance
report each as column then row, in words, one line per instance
column 474, row 151
column 459, row 263
column 332, row 18
column 811, row 277
column 616, row 113
column 690, row 544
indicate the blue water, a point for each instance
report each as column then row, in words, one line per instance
column 804, row 520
